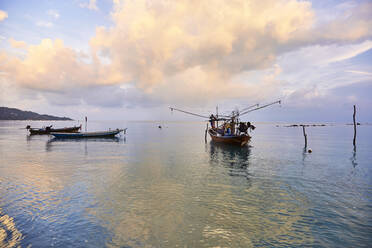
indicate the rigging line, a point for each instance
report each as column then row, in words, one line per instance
column 186, row 112
column 264, row 106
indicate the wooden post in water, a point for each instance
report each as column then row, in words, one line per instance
column 206, row 131
column 303, row 130
column 217, row 115
column 354, row 127
column 86, row 123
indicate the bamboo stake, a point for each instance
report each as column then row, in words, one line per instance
column 86, row 123
column 303, row 130
column 354, row 127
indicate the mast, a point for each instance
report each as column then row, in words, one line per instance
column 217, row 115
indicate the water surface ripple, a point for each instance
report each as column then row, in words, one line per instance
column 167, row 188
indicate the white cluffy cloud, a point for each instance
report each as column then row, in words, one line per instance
column 189, row 51
column 44, row 24
column 17, row 44
column 53, row 13
column 90, row 5
column 3, row 15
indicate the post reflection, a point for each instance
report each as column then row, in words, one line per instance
column 353, row 158
column 304, row 153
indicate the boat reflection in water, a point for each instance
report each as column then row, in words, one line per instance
column 54, row 141
column 235, row 158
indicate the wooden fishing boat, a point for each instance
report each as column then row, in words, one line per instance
column 49, row 129
column 102, row 134
column 240, row 140
column 232, row 130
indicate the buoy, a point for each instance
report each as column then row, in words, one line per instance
column 309, row 151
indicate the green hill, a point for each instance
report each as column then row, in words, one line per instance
column 16, row 114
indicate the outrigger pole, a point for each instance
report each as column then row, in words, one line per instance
column 244, row 109
column 186, row 112
column 264, row 106
column 254, row 105
column 248, row 110
column 202, row 116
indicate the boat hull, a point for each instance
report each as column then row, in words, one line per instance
column 240, row 140
column 82, row 135
column 54, row 130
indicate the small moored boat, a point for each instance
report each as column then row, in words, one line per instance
column 49, row 129
column 102, row 134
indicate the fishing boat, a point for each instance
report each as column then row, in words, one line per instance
column 101, row 134
column 241, row 140
column 232, row 130
column 50, row 129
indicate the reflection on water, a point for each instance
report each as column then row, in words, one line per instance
column 250, row 215
column 169, row 189
column 9, row 234
column 103, row 139
column 353, row 158
column 236, row 158
column 85, row 141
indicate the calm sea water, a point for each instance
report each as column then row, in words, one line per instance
column 167, row 188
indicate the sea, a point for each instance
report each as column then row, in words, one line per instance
column 167, row 187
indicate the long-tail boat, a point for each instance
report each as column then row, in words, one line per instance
column 232, row 130
column 102, row 134
column 50, row 129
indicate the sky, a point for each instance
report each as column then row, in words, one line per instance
column 131, row 60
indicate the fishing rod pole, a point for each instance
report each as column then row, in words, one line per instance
column 243, row 110
column 254, row 105
column 237, row 112
column 264, row 106
column 186, row 112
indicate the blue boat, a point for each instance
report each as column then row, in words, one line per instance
column 102, row 134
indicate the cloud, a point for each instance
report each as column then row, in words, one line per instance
column 160, row 40
column 3, row 15
column 51, row 66
column 195, row 47
column 17, row 44
column 189, row 51
column 159, row 45
column 53, row 13
column 44, row 24
column 313, row 104
column 353, row 24
column 361, row 72
column 91, row 5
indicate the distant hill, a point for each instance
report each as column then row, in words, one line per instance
column 16, row 114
